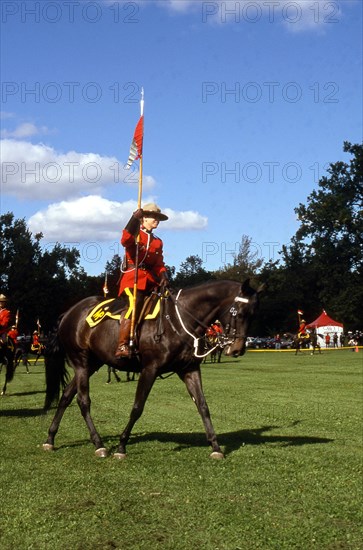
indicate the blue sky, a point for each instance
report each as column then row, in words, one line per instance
column 245, row 105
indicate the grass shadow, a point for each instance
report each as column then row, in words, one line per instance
column 22, row 413
column 229, row 441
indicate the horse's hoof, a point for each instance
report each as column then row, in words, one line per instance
column 120, row 456
column 101, row 452
column 48, row 447
column 216, row 455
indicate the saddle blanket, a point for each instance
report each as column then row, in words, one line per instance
column 112, row 308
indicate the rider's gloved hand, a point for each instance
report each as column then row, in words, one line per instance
column 164, row 281
column 138, row 213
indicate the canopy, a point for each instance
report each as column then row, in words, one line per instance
column 325, row 321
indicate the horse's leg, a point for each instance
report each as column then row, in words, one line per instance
column 82, row 377
column 9, row 374
column 193, row 383
column 297, row 347
column 118, row 379
column 108, row 375
column 144, row 385
column 66, row 399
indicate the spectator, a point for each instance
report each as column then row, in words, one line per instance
column 277, row 342
column 335, row 340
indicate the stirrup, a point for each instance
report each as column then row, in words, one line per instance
column 123, row 350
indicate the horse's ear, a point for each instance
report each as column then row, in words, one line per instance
column 246, row 286
column 249, row 291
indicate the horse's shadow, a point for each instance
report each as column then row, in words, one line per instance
column 22, row 413
column 230, row 441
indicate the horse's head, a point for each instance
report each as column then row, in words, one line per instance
column 238, row 319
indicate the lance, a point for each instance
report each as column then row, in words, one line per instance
column 140, row 155
column 105, row 287
column 300, row 313
column 17, row 318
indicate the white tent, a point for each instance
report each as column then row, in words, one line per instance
column 326, row 325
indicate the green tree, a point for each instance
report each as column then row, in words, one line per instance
column 191, row 273
column 246, row 263
column 40, row 284
column 329, row 240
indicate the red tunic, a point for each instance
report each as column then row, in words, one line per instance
column 4, row 320
column 35, row 341
column 302, row 329
column 13, row 334
column 151, row 261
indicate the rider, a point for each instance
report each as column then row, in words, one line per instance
column 13, row 334
column 4, row 318
column 214, row 330
column 151, row 271
column 35, row 346
column 302, row 333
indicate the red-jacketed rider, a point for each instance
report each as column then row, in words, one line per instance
column 151, row 269
column 4, row 317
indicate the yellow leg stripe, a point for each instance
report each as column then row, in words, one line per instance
column 131, row 302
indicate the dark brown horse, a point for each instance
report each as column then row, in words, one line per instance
column 169, row 344
column 7, row 355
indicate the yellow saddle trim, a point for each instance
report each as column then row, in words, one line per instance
column 99, row 312
column 102, row 310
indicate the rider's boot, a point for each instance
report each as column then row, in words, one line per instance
column 123, row 349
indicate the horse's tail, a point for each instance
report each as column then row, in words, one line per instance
column 56, row 375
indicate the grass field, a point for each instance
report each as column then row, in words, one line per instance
column 291, row 429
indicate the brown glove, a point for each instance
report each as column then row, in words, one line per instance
column 164, row 280
column 138, row 213
column 133, row 225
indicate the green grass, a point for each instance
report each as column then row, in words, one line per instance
column 291, row 429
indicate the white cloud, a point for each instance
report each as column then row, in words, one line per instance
column 25, row 130
column 4, row 115
column 31, row 171
column 185, row 220
column 295, row 15
column 94, row 218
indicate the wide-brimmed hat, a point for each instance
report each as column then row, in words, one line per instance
column 155, row 212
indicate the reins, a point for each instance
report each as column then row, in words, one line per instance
column 231, row 326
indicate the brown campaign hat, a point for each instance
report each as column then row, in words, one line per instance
column 154, row 210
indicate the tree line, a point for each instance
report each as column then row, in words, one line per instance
column 321, row 267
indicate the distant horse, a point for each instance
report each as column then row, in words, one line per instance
column 23, row 349
column 301, row 342
column 169, row 344
column 216, row 346
column 112, row 370
column 7, row 354
column 314, row 341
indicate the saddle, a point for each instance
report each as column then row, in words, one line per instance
column 113, row 308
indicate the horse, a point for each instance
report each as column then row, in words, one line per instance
column 314, row 341
column 300, row 342
column 7, row 355
column 112, row 370
column 23, row 349
column 214, row 347
column 168, row 344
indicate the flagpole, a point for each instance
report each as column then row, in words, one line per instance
column 105, row 287
column 139, row 198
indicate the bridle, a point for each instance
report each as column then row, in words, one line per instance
column 230, row 330
column 231, row 326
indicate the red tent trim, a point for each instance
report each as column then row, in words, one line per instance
column 324, row 320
